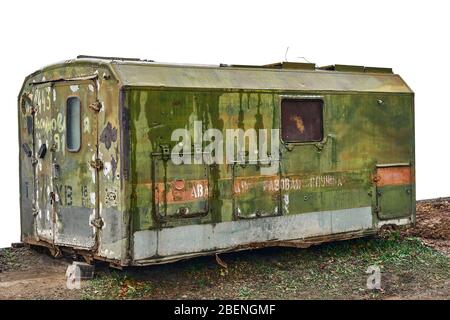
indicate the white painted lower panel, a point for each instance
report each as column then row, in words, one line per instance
column 208, row 237
column 398, row 222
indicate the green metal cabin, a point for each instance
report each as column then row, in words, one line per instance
column 97, row 177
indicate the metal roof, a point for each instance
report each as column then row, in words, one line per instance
column 146, row 73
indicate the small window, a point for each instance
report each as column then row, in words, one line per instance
column 73, row 124
column 301, row 120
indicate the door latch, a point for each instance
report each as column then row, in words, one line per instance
column 27, row 150
column 42, row 151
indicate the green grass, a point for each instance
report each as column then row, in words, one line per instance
column 328, row 271
column 116, row 285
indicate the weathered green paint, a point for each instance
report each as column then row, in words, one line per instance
column 368, row 120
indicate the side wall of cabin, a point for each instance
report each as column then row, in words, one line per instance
column 323, row 188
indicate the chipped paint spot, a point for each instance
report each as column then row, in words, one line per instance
column 113, row 167
column 86, row 125
column 93, row 170
column 74, row 88
column 92, row 197
column 107, row 168
column 91, row 219
column 91, row 88
column 286, row 203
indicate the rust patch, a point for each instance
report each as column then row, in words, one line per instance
column 182, row 191
column 113, row 167
column 393, row 176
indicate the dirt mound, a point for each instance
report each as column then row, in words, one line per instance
column 433, row 224
column 433, row 219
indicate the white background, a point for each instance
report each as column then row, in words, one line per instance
column 411, row 38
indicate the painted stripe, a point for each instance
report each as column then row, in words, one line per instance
column 393, row 176
column 207, row 237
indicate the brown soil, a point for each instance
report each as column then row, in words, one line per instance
column 32, row 274
column 433, row 224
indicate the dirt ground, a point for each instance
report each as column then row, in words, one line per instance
column 414, row 264
column 433, row 224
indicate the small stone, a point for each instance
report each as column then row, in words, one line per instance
column 86, row 270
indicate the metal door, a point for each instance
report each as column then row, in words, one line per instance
column 67, row 175
column 394, row 190
column 43, row 204
column 256, row 195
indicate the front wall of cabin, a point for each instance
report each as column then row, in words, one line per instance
column 67, row 193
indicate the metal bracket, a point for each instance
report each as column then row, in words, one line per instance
column 320, row 145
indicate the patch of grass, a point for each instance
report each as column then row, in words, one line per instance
column 244, row 292
column 7, row 254
column 333, row 270
column 117, row 286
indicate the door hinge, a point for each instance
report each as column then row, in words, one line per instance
column 165, row 150
column 96, row 106
column 97, row 164
column 98, row 223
